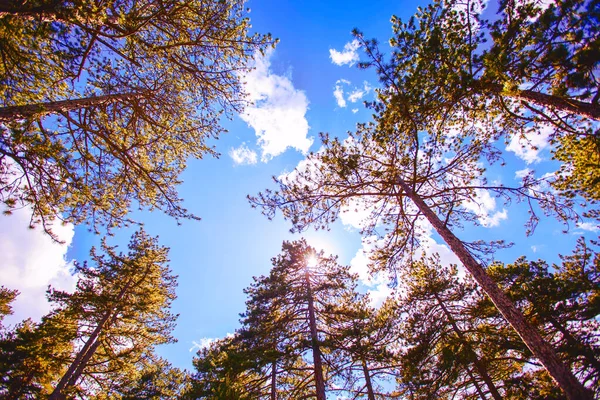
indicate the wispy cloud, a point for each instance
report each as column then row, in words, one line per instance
column 353, row 96
column 359, row 93
column 278, row 113
column 31, row 261
column 347, row 56
column 242, row 155
column 338, row 93
column 206, row 342
column 588, row 226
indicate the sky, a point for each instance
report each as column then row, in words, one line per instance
column 308, row 84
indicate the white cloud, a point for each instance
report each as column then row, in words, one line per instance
column 347, row 56
column 359, row 93
column 243, row 155
column 528, row 149
column 355, row 95
column 588, row 226
column 483, row 206
column 278, row 115
column 338, row 93
column 522, row 173
column 377, row 284
column 206, row 342
column 357, row 212
column 31, row 261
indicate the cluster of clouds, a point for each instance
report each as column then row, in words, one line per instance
column 31, row 262
column 278, row 111
column 357, row 93
column 277, row 114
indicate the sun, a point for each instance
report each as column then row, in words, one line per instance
column 312, row 261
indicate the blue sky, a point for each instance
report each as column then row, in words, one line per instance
column 308, row 84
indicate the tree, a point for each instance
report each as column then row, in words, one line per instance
column 536, row 77
column 289, row 302
column 364, row 340
column 446, row 351
column 228, row 368
column 288, row 323
column 7, row 296
column 561, row 301
column 33, row 356
column 154, row 379
column 103, row 104
column 118, row 313
column 423, row 159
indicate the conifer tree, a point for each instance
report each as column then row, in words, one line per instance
column 103, row 103
column 364, row 340
column 7, row 296
column 33, row 356
column 445, row 351
column 423, row 158
column 119, row 312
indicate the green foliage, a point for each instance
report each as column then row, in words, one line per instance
column 104, row 103
column 120, row 311
column 33, row 356
column 154, row 379
column 277, row 339
column 445, row 346
column 562, row 301
column 7, row 296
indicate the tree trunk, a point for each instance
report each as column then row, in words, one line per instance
column 274, row 381
column 318, row 366
column 479, row 366
column 581, row 108
column 89, row 348
column 368, row 383
column 531, row 337
column 14, row 113
column 66, row 378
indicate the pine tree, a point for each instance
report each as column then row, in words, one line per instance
column 103, row 104
column 422, row 160
column 119, row 312
column 364, row 340
column 33, row 356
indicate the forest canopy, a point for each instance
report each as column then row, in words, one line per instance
column 105, row 104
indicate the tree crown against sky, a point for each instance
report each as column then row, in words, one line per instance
column 423, row 159
column 102, row 335
column 104, row 104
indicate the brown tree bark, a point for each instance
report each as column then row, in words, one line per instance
column 562, row 375
column 318, row 366
column 368, row 383
column 13, row 113
column 74, row 371
column 582, row 108
column 274, row 381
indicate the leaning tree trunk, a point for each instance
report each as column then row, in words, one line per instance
column 87, row 351
column 14, row 113
column 318, row 366
column 531, row 337
column 581, row 108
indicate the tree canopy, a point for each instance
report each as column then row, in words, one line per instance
column 103, row 104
